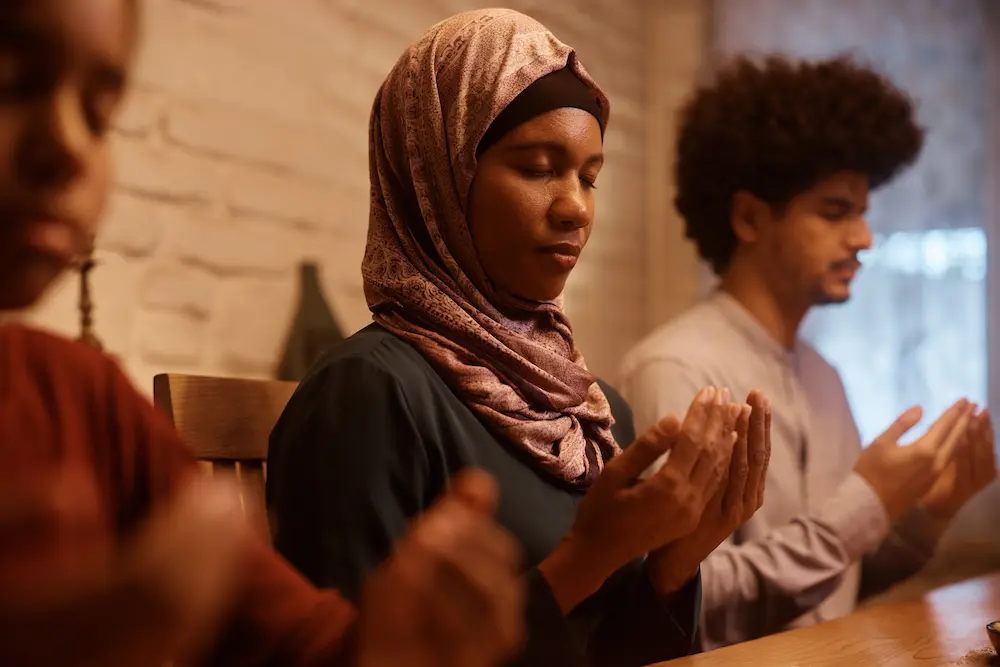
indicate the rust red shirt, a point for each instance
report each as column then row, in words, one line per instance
column 65, row 407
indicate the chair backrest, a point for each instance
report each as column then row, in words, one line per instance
column 227, row 423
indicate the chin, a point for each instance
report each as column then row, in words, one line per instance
column 537, row 297
column 20, row 290
column 833, row 297
column 550, row 294
column 539, row 291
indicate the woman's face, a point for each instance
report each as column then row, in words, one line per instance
column 531, row 206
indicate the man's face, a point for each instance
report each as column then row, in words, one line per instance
column 810, row 249
column 63, row 66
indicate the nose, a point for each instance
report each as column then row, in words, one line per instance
column 52, row 152
column 573, row 206
column 860, row 236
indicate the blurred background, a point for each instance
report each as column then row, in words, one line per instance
column 243, row 153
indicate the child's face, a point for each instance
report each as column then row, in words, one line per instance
column 63, row 66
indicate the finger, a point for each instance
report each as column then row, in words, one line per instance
column 472, row 594
column 496, row 570
column 730, row 419
column 714, row 444
column 163, row 595
column 469, row 490
column 964, row 458
column 984, row 451
column 695, row 422
column 739, row 464
column 718, row 415
column 904, row 422
column 757, row 453
column 711, row 470
column 976, row 429
column 717, row 503
column 733, row 416
column 767, row 452
column 477, row 488
column 949, row 440
column 944, row 424
column 734, row 411
column 625, row 468
column 488, row 566
column 186, row 563
column 450, row 620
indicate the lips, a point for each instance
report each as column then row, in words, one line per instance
column 567, row 249
column 53, row 237
column 565, row 255
column 851, row 265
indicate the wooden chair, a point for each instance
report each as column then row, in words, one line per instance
column 227, row 422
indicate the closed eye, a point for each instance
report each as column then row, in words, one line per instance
column 837, row 209
column 835, row 216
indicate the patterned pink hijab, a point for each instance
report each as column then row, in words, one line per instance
column 512, row 362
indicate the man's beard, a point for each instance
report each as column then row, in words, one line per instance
column 822, row 297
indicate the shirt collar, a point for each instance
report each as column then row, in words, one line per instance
column 751, row 328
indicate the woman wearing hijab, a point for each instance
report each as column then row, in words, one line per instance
column 485, row 145
column 114, row 551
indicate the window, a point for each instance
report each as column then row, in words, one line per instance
column 915, row 330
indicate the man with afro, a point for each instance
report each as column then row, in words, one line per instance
column 775, row 163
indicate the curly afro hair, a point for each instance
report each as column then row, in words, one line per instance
column 776, row 128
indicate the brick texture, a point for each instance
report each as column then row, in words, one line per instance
column 243, row 150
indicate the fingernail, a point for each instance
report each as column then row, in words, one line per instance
column 720, row 395
column 726, row 394
column 708, row 396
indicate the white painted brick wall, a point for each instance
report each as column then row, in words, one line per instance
column 243, row 150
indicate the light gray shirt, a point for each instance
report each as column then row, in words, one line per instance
column 799, row 560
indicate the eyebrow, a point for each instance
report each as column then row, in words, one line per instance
column 841, row 202
column 553, row 146
column 24, row 37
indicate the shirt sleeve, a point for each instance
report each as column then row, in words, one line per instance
column 758, row 587
column 659, row 387
column 642, row 628
column 639, row 627
column 908, row 547
column 350, row 467
column 911, row 540
column 278, row 618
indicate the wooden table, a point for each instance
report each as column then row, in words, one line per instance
column 945, row 627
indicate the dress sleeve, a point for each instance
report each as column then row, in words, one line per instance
column 639, row 626
column 347, row 471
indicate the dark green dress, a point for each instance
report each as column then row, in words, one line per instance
column 368, row 441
